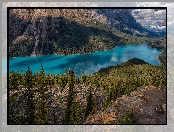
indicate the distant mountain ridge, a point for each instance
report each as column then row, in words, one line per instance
column 123, row 20
column 157, row 17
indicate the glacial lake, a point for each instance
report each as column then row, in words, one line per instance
column 87, row 63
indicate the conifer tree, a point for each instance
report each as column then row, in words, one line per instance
column 29, row 94
column 70, row 97
column 42, row 106
column 76, row 113
column 35, row 79
column 18, row 78
column 12, row 80
column 23, row 78
column 90, row 103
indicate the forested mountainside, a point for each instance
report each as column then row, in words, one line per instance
column 71, row 31
column 98, row 98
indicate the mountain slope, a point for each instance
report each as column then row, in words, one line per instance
column 70, row 31
column 125, row 22
column 104, row 94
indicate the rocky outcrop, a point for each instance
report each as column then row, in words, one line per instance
column 147, row 103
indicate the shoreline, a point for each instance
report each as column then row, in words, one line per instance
column 55, row 54
column 97, row 53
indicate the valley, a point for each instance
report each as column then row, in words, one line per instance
column 84, row 66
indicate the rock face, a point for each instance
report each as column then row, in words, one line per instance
column 17, row 27
column 123, row 21
column 49, row 29
column 142, row 109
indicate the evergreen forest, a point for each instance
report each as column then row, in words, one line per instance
column 66, row 99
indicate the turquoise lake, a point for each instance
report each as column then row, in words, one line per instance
column 87, row 63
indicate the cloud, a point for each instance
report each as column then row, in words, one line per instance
column 160, row 12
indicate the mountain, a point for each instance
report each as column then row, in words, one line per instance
column 123, row 20
column 153, row 20
column 70, row 31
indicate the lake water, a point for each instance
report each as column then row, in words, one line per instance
column 88, row 63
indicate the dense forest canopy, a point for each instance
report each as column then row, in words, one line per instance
column 111, row 82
